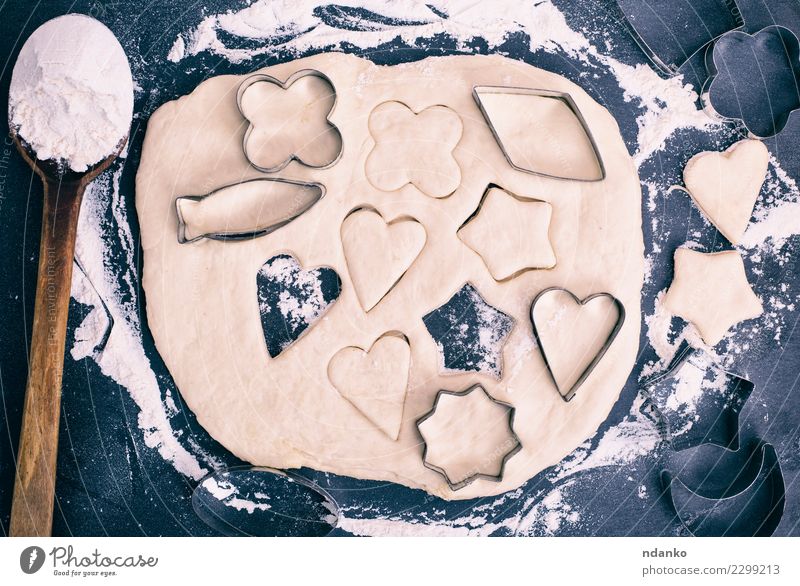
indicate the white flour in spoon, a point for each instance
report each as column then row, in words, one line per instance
column 71, row 96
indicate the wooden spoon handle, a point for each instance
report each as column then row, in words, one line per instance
column 34, row 488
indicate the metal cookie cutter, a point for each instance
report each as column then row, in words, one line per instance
column 514, row 444
column 732, row 497
column 764, row 94
column 245, row 210
column 713, row 419
column 479, row 90
column 568, row 394
column 264, row 502
column 671, row 32
column 264, row 78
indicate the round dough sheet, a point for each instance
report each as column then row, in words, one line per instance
column 416, row 150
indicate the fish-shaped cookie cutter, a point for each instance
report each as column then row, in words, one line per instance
column 204, row 216
column 472, row 478
column 564, row 97
column 722, row 66
column 285, row 85
column 568, row 394
column 671, row 32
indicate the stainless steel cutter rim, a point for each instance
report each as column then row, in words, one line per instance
column 567, row 98
column 264, row 77
column 596, row 360
column 454, row 486
column 335, row 511
column 713, row 71
column 235, row 236
column 667, row 479
column 682, row 356
column 672, row 69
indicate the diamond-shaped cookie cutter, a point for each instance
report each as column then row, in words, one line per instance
column 472, row 478
column 285, row 85
column 570, row 393
column 716, row 65
column 257, row 231
column 657, row 25
column 564, row 97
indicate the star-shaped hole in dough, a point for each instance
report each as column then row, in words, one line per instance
column 511, row 234
column 414, row 147
column 468, row 435
column 470, row 333
column 289, row 121
column 711, row 291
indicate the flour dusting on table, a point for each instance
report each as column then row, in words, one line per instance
column 663, row 107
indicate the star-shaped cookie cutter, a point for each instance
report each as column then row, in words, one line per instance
column 472, row 478
column 742, row 389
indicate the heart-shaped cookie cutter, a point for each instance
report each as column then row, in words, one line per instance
column 472, row 478
column 570, row 394
column 285, row 85
column 716, row 64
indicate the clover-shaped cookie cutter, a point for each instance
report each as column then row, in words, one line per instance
column 748, row 503
column 472, row 478
column 317, row 191
column 570, row 393
column 564, row 97
column 285, row 85
column 774, row 104
column 672, row 32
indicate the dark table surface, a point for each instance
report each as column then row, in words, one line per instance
column 110, row 483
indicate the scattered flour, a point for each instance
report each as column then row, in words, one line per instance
column 121, row 357
column 269, row 27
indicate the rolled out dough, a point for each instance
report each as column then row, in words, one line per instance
column 284, row 412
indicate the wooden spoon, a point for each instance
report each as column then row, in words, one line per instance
column 63, row 44
column 34, row 488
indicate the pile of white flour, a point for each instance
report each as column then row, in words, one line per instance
column 71, row 96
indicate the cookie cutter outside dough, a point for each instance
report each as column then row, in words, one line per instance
column 250, row 234
column 682, row 356
column 773, row 479
column 454, row 486
column 263, row 77
column 713, row 71
column 671, row 69
column 221, row 525
column 565, row 97
column 596, row 360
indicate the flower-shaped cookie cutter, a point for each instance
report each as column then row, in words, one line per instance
column 258, row 78
column 672, row 32
column 736, row 62
column 517, row 444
